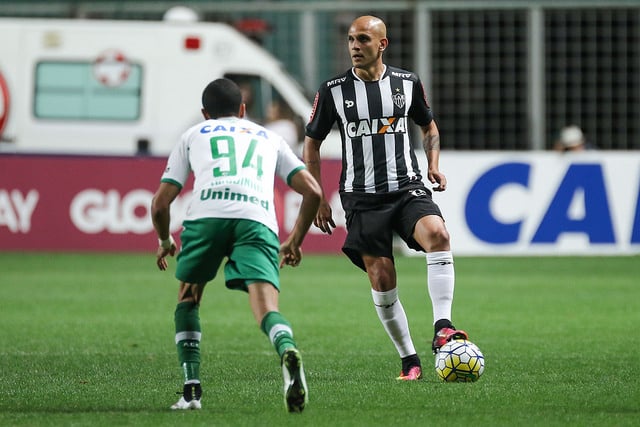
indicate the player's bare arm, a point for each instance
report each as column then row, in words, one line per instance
column 431, row 145
column 311, row 154
column 161, row 218
column 305, row 184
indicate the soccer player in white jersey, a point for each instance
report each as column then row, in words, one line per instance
column 381, row 188
column 232, row 217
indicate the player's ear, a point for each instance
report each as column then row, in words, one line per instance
column 243, row 110
column 383, row 44
column 205, row 114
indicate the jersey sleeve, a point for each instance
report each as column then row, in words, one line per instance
column 288, row 163
column 178, row 168
column 420, row 111
column 323, row 115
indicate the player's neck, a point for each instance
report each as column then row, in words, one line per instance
column 372, row 73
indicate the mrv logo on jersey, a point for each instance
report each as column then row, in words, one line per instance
column 368, row 127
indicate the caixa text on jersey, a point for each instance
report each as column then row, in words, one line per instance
column 368, row 127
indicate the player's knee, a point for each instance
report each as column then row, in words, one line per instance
column 434, row 238
column 440, row 239
column 381, row 273
column 190, row 292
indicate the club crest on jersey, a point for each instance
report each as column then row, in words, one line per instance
column 368, row 127
column 398, row 99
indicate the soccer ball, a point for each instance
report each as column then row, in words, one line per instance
column 459, row 361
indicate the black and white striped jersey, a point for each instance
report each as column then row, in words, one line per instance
column 373, row 120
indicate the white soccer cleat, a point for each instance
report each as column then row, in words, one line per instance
column 193, row 392
column 183, row 404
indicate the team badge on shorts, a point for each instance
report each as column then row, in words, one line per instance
column 418, row 193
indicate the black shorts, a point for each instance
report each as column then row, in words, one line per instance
column 373, row 218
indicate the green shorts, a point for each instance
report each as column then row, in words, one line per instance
column 251, row 249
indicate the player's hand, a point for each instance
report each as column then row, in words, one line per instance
column 324, row 218
column 290, row 254
column 161, row 255
column 437, row 177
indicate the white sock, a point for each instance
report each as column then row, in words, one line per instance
column 394, row 320
column 440, row 282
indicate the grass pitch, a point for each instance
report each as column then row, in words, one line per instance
column 87, row 339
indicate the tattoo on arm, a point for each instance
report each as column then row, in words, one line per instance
column 431, row 142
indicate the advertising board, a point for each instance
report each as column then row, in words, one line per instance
column 495, row 203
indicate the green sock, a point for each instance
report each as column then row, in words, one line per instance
column 187, row 320
column 276, row 327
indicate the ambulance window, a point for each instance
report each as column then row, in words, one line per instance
column 78, row 91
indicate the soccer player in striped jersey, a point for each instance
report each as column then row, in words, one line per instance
column 232, row 216
column 381, row 186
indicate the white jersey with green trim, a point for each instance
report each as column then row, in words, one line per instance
column 234, row 162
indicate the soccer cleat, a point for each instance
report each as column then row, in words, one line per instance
column 296, row 394
column 190, row 399
column 183, row 404
column 414, row 373
column 445, row 335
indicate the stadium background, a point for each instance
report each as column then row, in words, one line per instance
column 504, row 75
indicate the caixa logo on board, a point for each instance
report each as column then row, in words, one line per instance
column 581, row 204
column 94, row 211
column 4, row 102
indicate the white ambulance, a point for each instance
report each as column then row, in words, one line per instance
column 119, row 87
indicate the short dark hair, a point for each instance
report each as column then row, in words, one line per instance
column 221, row 97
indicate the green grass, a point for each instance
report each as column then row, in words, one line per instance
column 87, row 339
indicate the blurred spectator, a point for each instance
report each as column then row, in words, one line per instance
column 254, row 28
column 248, row 99
column 280, row 120
column 571, row 138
